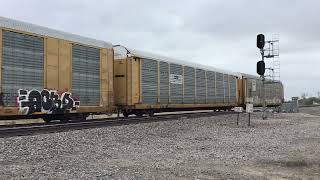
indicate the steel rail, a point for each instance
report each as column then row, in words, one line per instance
column 97, row 123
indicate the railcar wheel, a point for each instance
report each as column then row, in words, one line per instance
column 79, row 117
column 125, row 114
column 65, row 119
column 150, row 113
column 83, row 117
column 47, row 119
column 138, row 113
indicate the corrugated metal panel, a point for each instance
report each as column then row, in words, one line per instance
column 152, row 56
column 164, row 82
column 201, row 86
column 268, row 92
column 259, row 92
column 273, row 91
column 211, row 87
column 189, row 85
column 35, row 29
column 176, row 90
column 233, row 89
column 256, row 93
column 226, row 88
column 22, row 65
column 149, row 72
column 86, row 75
column 219, row 88
column 249, row 88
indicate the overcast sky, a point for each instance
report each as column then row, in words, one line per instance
column 219, row 33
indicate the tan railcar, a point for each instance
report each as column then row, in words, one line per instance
column 252, row 91
column 134, row 96
column 31, row 53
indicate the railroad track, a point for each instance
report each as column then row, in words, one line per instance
column 306, row 106
column 41, row 128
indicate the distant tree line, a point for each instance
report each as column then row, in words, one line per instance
column 307, row 101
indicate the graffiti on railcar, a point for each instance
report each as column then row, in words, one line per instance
column 45, row 101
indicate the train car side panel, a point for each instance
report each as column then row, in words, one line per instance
column 120, row 82
column 52, row 63
column 110, row 79
column 254, row 93
column 65, row 67
column 127, row 81
column 201, row 95
column 211, row 87
column 22, row 65
column 136, row 81
column 149, row 81
column 189, row 85
column 176, row 83
column 35, row 66
column 240, row 91
column 86, row 74
column 186, row 87
column 232, row 89
column 4, row 111
column 1, row 94
column 104, row 77
column 164, row 83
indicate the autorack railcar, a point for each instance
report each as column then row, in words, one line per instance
column 56, row 75
column 252, row 91
column 52, row 74
column 146, row 83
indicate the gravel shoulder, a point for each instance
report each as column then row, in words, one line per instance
column 285, row 146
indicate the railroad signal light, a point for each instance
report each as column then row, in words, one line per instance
column 260, row 41
column 261, row 68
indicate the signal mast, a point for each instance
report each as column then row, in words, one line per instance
column 272, row 51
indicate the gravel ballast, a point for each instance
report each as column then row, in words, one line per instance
column 285, row 146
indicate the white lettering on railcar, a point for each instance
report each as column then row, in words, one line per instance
column 176, row 79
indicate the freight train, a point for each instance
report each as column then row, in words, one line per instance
column 51, row 74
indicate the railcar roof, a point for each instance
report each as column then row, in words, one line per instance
column 44, row 31
column 250, row 76
column 146, row 55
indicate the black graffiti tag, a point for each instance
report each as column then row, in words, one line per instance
column 56, row 102
column 30, row 101
column 46, row 102
column 67, row 101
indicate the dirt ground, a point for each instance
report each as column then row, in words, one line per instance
column 310, row 110
column 286, row 146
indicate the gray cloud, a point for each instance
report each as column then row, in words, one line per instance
column 219, row 33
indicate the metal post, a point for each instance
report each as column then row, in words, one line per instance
column 264, row 115
column 249, row 119
column 238, row 119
